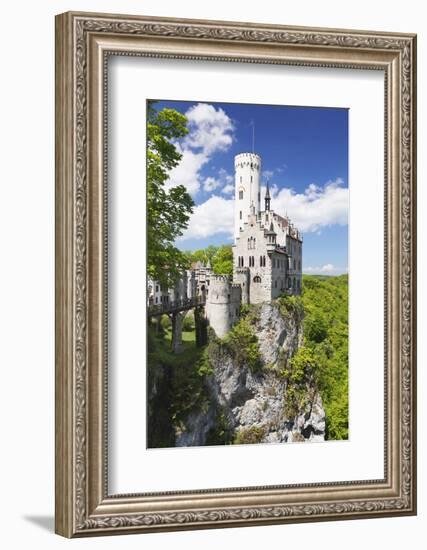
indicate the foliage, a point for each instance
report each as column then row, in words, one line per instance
column 253, row 434
column 175, row 386
column 220, row 257
column 168, row 210
column 301, row 373
column 243, row 344
column 221, row 433
column 325, row 348
column 165, row 322
column 291, row 305
column 188, row 323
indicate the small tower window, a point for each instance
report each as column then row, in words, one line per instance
column 240, row 179
column 257, row 279
column 240, row 214
column 252, row 179
column 240, row 194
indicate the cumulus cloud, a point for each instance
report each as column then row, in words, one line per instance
column 327, row 269
column 310, row 211
column 317, row 207
column 212, row 217
column 210, row 184
column 228, row 189
column 210, row 132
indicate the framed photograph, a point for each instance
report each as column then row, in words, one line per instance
column 235, row 274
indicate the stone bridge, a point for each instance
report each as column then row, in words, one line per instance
column 176, row 311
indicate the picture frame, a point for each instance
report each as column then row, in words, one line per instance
column 84, row 41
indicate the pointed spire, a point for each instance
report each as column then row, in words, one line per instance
column 267, row 198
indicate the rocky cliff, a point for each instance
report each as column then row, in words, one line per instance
column 251, row 394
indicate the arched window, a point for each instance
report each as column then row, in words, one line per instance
column 254, row 243
column 249, row 244
column 240, row 193
column 257, row 279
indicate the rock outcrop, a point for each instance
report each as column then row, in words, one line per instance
column 254, row 403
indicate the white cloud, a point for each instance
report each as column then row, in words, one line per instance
column 317, row 207
column 228, row 189
column 327, row 269
column 212, row 217
column 210, row 131
column 210, row 184
column 310, row 211
column 210, row 128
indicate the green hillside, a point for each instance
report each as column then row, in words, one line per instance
column 325, row 302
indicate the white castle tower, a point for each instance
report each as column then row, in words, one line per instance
column 247, row 169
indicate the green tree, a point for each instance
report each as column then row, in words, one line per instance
column 168, row 210
column 222, row 263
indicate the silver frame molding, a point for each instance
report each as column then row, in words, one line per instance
column 83, row 43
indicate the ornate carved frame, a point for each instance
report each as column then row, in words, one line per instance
column 83, row 42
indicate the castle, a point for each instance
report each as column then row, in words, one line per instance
column 267, row 256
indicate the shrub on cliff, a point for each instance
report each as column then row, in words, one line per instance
column 243, row 344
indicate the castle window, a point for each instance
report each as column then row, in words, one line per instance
column 257, row 279
column 275, row 283
column 254, row 243
column 240, row 214
column 252, row 179
column 157, row 300
column 295, row 264
column 259, row 196
column 157, row 288
column 295, row 283
column 240, row 179
column 240, row 194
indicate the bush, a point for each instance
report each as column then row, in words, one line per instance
column 243, row 345
column 291, row 305
column 165, row 322
column 254, row 434
column 188, row 323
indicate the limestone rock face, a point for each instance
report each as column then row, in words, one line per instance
column 255, row 402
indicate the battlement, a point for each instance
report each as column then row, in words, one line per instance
column 220, row 279
column 247, row 159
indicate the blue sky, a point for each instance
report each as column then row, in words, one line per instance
column 304, row 152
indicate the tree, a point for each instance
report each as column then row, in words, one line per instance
column 223, row 261
column 168, row 210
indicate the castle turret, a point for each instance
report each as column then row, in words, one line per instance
column 223, row 304
column 247, row 167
